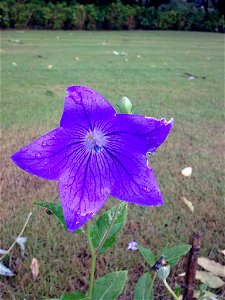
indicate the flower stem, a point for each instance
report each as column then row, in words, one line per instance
column 170, row 290
column 108, row 230
column 95, row 253
column 151, row 285
column 93, row 261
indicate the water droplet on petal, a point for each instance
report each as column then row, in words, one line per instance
column 149, row 153
column 44, row 144
column 38, row 155
column 24, row 149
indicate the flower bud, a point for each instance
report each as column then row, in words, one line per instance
column 125, row 106
column 163, row 272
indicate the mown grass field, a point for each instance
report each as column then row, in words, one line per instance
column 32, row 102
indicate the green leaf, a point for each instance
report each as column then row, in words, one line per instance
column 99, row 229
column 56, row 209
column 147, row 254
column 178, row 290
column 141, row 291
column 110, row 286
column 172, row 255
column 77, row 295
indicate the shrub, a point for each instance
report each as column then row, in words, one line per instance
column 119, row 16
column 114, row 16
column 172, row 20
column 146, row 18
column 198, row 20
column 90, row 17
column 4, row 15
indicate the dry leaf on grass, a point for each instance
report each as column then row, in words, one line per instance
column 2, row 251
column 21, row 242
column 34, row 268
column 222, row 251
column 207, row 295
column 209, row 279
column 187, row 171
column 189, row 204
column 4, row 271
column 212, row 266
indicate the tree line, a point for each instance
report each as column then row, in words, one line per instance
column 198, row 15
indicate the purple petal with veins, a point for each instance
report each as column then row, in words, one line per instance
column 94, row 153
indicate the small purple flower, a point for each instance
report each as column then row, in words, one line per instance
column 95, row 153
column 132, row 246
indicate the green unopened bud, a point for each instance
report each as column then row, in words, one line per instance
column 163, row 272
column 125, row 105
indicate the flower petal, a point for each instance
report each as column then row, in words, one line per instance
column 49, row 155
column 84, row 188
column 143, row 134
column 85, row 106
column 132, row 180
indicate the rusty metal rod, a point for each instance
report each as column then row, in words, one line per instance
column 189, row 284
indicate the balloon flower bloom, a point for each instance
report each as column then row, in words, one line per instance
column 95, row 153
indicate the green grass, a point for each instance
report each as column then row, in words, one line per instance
column 32, row 102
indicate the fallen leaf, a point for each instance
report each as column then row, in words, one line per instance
column 35, row 268
column 212, row 266
column 116, row 53
column 189, row 204
column 210, row 279
column 222, row 251
column 21, row 242
column 4, row 271
column 105, row 44
column 187, row 171
column 207, row 295
column 2, row 251
column 119, row 53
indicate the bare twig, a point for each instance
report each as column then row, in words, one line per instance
column 189, row 286
column 21, row 232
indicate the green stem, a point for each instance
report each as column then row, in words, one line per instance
column 93, row 261
column 94, row 253
column 151, row 285
column 170, row 290
column 108, row 230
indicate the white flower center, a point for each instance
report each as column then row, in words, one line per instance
column 95, row 141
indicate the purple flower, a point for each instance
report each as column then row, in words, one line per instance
column 132, row 246
column 95, row 153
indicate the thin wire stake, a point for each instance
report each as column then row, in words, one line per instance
column 21, row 232
column 189, row 285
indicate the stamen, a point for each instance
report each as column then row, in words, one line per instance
column 97, row 148
column 90, row 137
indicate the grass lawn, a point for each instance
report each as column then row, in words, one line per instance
column 36, row 69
